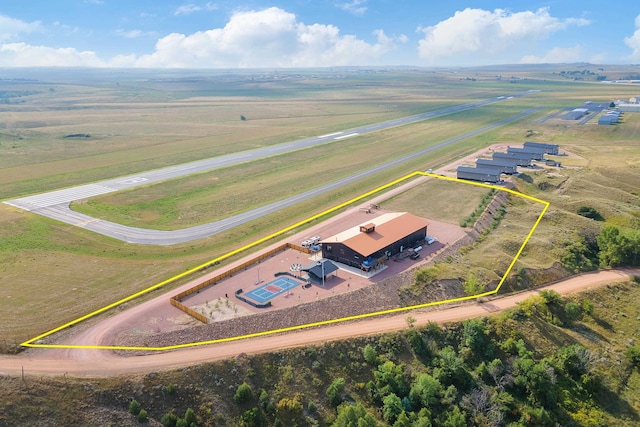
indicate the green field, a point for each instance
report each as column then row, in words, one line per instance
column 53, row 273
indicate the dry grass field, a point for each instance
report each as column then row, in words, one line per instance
column 53, row 273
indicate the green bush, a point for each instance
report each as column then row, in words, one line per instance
column 633, row 354
column 572, row 310
column 142, row 416
column 169, row 420
column 190, row 417
column 370, row 354
column 312, row 407
column 243, row 393
column 334, row 391
column 134, row 407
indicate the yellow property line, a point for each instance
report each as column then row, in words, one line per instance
column 33, row 341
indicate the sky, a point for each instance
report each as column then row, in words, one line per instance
column 315, row 33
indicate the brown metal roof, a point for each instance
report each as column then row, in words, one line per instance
column 389, row 229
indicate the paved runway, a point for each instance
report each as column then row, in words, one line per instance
column 55, row 204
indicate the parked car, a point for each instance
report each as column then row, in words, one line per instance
column 430, row 240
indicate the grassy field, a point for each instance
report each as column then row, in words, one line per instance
column 214, row 195
column 440, row 200
column 140, row 124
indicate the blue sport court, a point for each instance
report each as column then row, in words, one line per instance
column 270, row 290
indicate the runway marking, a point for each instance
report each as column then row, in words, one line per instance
column 330, row 134
column 136, row 180
column 36, row 341
column 345, row 136
column 59, row 197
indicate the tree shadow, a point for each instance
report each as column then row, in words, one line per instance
column 618, row 407
column 553, row 334
column 589, row 333
column 602, row 323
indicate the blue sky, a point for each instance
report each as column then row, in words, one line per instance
column 315, row 33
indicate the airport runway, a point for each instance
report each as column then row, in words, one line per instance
column 55, row 204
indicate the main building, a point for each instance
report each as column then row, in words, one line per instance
column 365, row 245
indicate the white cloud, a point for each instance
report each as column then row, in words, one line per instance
column 129, row 34
column 488, row 35
column 634, row 41
column 187, row 9
column 11, row 28
column 133, row 34
column 267, row 38
column 25, row 55
column 356, row 7
column 555, row 55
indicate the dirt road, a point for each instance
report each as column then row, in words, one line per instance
column 98, row 363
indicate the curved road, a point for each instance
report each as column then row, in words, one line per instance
column 104, row 363
column 55, row 204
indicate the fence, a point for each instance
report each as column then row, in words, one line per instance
column 189, row 311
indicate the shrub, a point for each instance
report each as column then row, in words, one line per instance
column 253, row 417
column 169, row 420
column 572, row 310
column 334, row 391
column 551, row 297
column 289, row 411
column 134, row 407
column 243, row 393
column 370, row 354
column 416, row 342
column 312, row 407
column 190, row 417
column 472, row 285
column 142, row 416
column 633, row 354
column 587, row 306
column 392, row 408
column 170, row 389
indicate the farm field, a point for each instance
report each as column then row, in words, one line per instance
column 138, row 126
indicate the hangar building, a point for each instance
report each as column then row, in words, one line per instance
column 478, row 174
column 364, row 245
column 552, row 149
column 503, row 165
column 610, row 118
column 576, row 114
column 521, row 159
column 535, row 153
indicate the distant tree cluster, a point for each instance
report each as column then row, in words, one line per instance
column 608, row 248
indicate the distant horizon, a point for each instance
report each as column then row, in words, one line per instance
column 330, row 67
column 288, row 34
